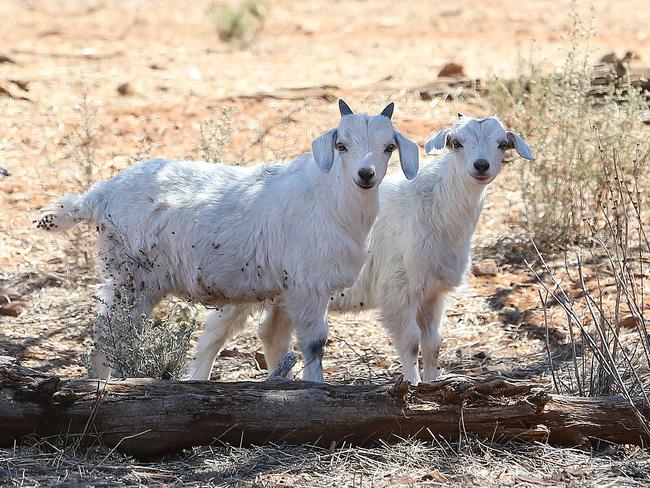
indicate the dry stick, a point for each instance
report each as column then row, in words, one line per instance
column 571, row 314
column 637, row 309
column 620, row 282
column 601, row 303
column 601, row 333
column 607, row 365
column 113, row 449
column 548, row 345
column 589, row 300
column 94, row 57
column 285, row 366
column 359, row 355
column 95, row 410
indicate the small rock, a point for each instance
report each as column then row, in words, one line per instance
column 6, row 59
column 609, row 58
column 452, row 69
column 509, row 315
column 261, row 360
column 487, row 267
column 629, row 322
column 125, row 89
column 23, row 85
column 232, row 353
column 13, row 309
column 156, row 66
column 4, row 172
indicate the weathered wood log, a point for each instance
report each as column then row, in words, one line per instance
column 148, row 417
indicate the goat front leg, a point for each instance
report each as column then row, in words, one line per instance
column 308, row 316
column 275, row 333
column 400, row 322
column 429, row 318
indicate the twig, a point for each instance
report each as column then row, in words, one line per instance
column 285, row 366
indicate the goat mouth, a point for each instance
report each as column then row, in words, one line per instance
column 365, row 186
column 481, row 178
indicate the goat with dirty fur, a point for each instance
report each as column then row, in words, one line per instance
column 420, row 246
column 232, row 237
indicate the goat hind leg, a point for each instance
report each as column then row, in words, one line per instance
column 220, row 326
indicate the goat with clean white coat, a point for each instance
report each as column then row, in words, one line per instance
column 231, row 237
column 420, row 245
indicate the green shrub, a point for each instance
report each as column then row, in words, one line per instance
column 240, row 22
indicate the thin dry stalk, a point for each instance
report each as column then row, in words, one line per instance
column 606, row 359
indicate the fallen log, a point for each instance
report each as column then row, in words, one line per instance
column 150, row 417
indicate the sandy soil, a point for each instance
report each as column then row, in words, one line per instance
column 74, row 55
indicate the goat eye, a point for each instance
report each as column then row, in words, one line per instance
column 503, row 145
column 390, row 148
column 456, row 144
column 341, row 147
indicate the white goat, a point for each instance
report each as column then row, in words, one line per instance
column 420, row 246
column 230, row 236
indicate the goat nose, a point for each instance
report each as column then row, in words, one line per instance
column 481, row 165
column 366, row 173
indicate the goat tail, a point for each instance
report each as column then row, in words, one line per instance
column 61, row 214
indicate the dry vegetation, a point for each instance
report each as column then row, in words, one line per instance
column 88, row 88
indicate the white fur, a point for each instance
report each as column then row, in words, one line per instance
column 420, row 246
column 230, row 237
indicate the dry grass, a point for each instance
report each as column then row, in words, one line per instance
column 406, row 463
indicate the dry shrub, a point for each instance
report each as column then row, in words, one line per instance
column 567, row 124
column 139, row 347
column 214, row 135
column 608, row 331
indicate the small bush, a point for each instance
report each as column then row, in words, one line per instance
column 241, row 22
column 215, row 134
column 139, row 347
column 606, row 320
column 568, row 126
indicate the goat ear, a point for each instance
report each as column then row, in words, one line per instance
column 323, row 150
column 344, row 108
column 409, row 155
column 516, row 142
column 437, row 142
column 388, row 111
